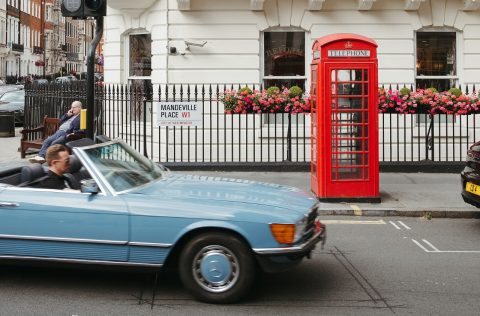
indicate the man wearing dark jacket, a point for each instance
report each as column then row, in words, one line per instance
column 58, row 160
column 69, row 124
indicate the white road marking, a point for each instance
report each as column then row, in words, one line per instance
column 436, row 250
column 430, row 244
column 357, row 211
column 334, row 221
column 421, row 246
column 403, row 224
column 395, row 225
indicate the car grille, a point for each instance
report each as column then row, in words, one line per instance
column 473, row 160
column 310, row 227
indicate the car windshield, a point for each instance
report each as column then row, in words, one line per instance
column 122, row 166
column 16, row 96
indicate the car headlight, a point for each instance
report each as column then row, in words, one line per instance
column 300, row 228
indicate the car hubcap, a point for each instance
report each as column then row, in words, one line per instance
column 215, row 268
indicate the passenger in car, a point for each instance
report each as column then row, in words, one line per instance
column 58, row 160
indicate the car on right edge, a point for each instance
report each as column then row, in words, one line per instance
column 471, row 176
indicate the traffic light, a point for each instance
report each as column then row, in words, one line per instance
column 95, row 8
column 82, row 9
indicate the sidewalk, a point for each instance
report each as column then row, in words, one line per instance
column 402, row 194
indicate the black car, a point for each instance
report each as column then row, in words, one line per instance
column 471, row 176
column 13, row 101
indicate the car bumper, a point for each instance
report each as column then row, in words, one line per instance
column 281, row 259
column 469, row 175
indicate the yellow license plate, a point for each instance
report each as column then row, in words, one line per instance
column 472, row 188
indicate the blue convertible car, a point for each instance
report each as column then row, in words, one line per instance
column 130, row 211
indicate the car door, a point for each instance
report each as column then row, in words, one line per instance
column 63, row 225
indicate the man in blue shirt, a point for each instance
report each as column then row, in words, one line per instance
column 69, row 124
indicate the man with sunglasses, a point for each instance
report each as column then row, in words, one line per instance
column 58, row 163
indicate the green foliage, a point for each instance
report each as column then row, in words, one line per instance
column 295, row 91
column 405, row 91
column 245, row 90
column 273, row 90
column 455, row 91
column 432, row 89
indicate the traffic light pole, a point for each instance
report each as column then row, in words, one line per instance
column 91, row 78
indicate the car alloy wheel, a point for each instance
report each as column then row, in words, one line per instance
column 217, row 267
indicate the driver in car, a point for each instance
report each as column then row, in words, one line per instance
column 58, row 163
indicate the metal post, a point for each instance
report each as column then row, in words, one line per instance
column 44, row 37
column 289, row 138
column 91, row 79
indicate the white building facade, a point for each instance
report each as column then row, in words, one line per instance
column 3, row 38
column 421, row 43
column 237, row 34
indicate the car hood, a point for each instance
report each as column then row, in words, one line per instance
column 11, row 106
column 222, row 192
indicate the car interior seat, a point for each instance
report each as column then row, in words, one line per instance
column 31, row 173
column 76, row 173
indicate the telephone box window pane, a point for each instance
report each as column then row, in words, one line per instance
column 343, row 75
column 284, row 54
column 140, row 55
column 347, row 103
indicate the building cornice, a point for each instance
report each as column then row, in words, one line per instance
column 183, row 5
column 315, row 5
column 413, row 5
column 256, row 5
column 471, row 5
column 365, row 5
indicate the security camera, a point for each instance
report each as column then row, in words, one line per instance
column 188, row 44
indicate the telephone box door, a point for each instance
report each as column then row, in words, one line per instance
column 353, row 166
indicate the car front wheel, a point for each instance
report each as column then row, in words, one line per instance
column 217, row 268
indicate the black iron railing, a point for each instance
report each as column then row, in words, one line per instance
column 129, row 112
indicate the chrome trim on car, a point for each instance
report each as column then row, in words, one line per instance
column 292, row 249
column 87, row 241
column 9, row 204
column 74, row 240
column 83, row 261
column 149, row 244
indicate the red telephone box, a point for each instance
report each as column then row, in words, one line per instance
column 344, row 96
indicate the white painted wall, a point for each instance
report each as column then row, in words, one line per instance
column 233, row 34
column 232, row 30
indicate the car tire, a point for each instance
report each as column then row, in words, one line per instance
column 217, row 268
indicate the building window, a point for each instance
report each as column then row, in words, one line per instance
column 140, row 70
column 140, row 55
column 436, row 60
column 284, row 59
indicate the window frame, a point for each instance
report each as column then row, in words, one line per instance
column 263, row 77
column 458, row 54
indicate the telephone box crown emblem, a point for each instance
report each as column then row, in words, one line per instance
column 348, row 44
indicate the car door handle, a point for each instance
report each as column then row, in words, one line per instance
column 8, row 204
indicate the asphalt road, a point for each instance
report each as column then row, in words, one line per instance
column 369, row 266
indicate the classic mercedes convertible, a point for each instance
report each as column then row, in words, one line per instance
column 130, row 211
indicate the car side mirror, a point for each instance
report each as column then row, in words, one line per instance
column 89, row 186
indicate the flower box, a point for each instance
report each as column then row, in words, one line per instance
column 272, row 100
